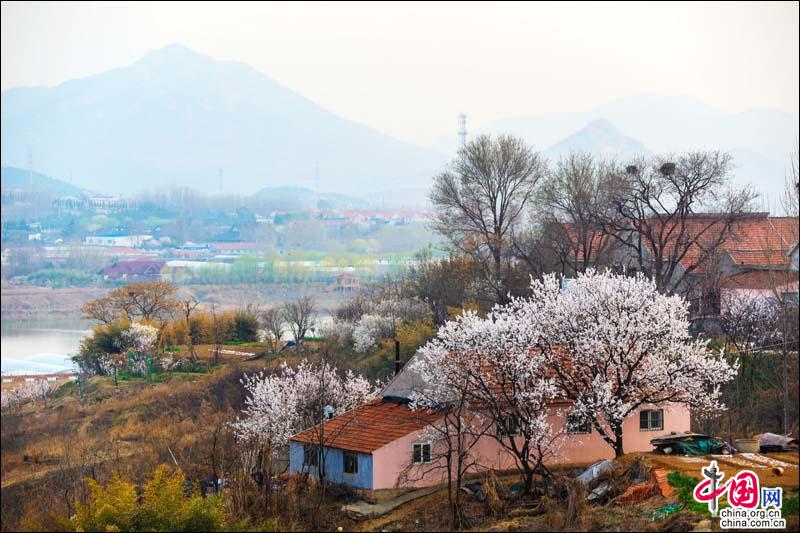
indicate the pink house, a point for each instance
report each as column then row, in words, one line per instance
column 778, row 284
column 384, row 444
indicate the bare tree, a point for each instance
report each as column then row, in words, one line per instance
column 482, row 198
column 791, row 194
column 655, row 214
column 274, row 326
column 299, row 316
column 104, row 310
column 443, row 284
column 151, row 300
column 453, row 430
column 576, row 198
column 187, row 304
column 218, row 333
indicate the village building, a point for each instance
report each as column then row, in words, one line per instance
column 758, row 256
column 344, row 282
column 239, row 248
column 384, row 444
column 136, row 269
column 116, row 239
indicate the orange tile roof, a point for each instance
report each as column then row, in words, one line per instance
column 598, row 241
column 760, row 279
column 369, row 427
column 763, row 241
column 757, row 240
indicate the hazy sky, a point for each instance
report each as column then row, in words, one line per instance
column 409, row 69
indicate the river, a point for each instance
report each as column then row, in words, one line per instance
column 42, row 345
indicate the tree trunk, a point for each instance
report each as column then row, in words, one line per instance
column 618, row 450
column 785, row 354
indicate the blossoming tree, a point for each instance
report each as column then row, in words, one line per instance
column 607, row 343
column 489, row 363
column 141, row 339
column 29, row 391
column 612, row 344
column 280, row 405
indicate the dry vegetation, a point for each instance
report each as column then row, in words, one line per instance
column 47, row 452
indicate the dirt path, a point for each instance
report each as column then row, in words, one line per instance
column 374, row 510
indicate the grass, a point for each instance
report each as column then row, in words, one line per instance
column 790, row 505
column 684, row 486
column 245, row 344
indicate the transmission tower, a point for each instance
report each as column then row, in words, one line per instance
column 462, row 130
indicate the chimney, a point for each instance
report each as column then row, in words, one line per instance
column 396, row 357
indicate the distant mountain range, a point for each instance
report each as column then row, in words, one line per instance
column 760, row 141
column 599, row 138
column 176, row 117
column 20, row 178
column 179, row 117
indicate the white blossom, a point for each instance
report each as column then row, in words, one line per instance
column 141, row 340
column 608, row 343
column 282, row 404
column 751, row 321
column 38, row 389
column 369, row 330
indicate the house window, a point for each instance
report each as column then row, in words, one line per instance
column 421, row 453
column 651, row 419
column 350, row 463
column 507, row 426
column 578, row 425
column 790, row 297
column 310, row 455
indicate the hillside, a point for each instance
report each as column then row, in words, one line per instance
column 181, row 418
column 128, row 431
column 309, row 198
column 178, row 117
column 21, row 178
column 601, row 139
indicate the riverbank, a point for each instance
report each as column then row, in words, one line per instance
column 26, row 302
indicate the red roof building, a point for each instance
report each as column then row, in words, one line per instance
column 135, row 269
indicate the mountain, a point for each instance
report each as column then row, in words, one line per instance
column 178, row 117
column 599, row 138
column 20, row 178
column 308, row 198
column 760, row 140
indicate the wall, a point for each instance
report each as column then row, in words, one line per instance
column 391, row 462
column 727, row 294
column 334, row 466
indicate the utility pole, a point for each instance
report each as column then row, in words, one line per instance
column 462, row 131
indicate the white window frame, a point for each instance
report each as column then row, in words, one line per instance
column 422, row 460
column 650, row 421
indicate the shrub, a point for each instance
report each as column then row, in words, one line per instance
column 246, row 325
column 164, row 506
